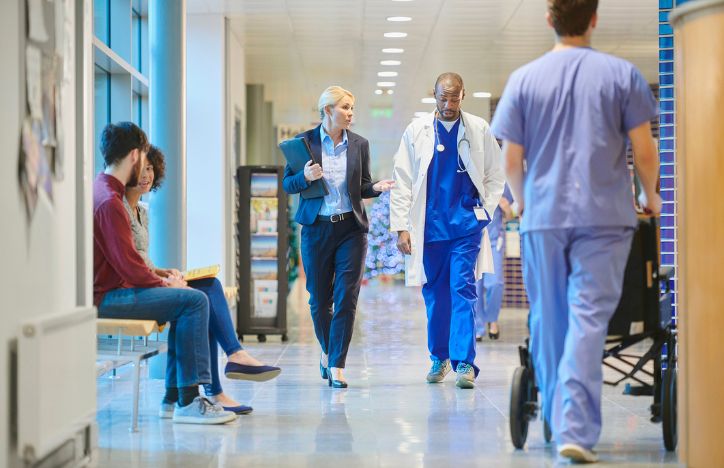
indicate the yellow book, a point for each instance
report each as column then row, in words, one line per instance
column 201, row 273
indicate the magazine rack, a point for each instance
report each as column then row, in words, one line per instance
column 262, row 252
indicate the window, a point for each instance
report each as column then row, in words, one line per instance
column 120, row 53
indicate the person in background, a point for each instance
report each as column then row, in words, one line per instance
column 240, row 364
column 334, row 227
column 565, row 119
column 125, row 288
column 449, row 180
column 491, row 287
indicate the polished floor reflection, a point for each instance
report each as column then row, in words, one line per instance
column 388, row 417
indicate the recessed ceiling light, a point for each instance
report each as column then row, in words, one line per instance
column 385, row 84
column 393, row 35
column 428, row 100
column 393, row 51
column 399, row 19
column 386, row 74
column 482, row 94
column 378, row 91
column 390, row 91
column 420, row 114
column 390, row 62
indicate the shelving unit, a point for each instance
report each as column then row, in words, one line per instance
column 262, row 252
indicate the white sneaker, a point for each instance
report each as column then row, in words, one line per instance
column 578, row 454
column 202, row 411
column 465, row 376
column 438, row 371
column 166, row 410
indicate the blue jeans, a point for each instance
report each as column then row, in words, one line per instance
column 221, row 329
column 188, row 312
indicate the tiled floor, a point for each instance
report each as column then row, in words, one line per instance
column 388, row 417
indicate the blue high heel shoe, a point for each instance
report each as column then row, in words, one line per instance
column 323, row 371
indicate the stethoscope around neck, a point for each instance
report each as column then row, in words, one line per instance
column 440, row 147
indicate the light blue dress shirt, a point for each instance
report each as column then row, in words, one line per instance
column 334, row 166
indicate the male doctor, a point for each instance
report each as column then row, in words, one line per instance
column 448, row 181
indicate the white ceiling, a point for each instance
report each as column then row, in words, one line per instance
column 296, row 48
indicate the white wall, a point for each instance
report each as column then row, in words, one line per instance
column 205, row 139
column 215, row 92
column 39, row 255
column 236, row 103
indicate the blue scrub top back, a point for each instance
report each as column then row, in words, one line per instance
column 571, row 110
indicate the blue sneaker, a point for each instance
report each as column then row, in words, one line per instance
column 465, row 376
column 439, row 370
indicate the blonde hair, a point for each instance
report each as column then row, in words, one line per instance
column 331, row 96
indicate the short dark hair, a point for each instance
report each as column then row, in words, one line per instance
column 119, row 139
column 156, row 158
column 571, row 17
column 449, row 76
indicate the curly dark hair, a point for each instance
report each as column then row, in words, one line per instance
column 119, row 139
column 571, row 17
column 158, row 161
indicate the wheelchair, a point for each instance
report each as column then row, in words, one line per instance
column 646, row 298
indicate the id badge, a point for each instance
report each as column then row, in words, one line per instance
column 481, row 214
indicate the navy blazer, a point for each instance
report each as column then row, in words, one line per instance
column 359, row 181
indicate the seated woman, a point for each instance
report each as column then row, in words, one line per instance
column 241, row 365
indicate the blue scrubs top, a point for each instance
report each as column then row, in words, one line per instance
column 572, row 110
column 451, row 195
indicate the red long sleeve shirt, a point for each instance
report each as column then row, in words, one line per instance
column 116, row 263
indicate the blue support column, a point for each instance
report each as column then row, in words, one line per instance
column 167, row 108
column 167, row 96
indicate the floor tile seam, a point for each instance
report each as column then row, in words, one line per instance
column 480, row 390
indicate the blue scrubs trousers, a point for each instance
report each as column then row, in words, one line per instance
column 490, row 290
column 574, row 279
column 450, row 298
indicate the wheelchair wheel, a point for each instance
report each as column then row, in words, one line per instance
column 520, row 396
column 547, row 433
column 668, row 407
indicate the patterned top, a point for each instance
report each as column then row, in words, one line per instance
column 139, row 228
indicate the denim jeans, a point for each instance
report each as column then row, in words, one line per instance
column 188, row 312
column 221, row 328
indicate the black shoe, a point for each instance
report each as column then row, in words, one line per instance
column 336, row 383
column 494, row 336
column 478, row 337
column 323, row 371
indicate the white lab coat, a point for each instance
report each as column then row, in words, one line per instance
column 408, row 197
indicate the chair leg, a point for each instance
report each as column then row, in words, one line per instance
column 136, row 390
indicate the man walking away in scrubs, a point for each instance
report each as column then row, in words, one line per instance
column 448, row 181
column 568, row 115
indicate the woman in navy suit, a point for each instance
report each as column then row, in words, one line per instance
column 334, row 227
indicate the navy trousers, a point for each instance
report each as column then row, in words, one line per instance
column 333, row 256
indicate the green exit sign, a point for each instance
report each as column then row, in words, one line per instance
column 382, row 112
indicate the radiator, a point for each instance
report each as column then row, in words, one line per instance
column 56, row 388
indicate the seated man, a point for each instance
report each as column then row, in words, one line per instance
column 124, row 287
